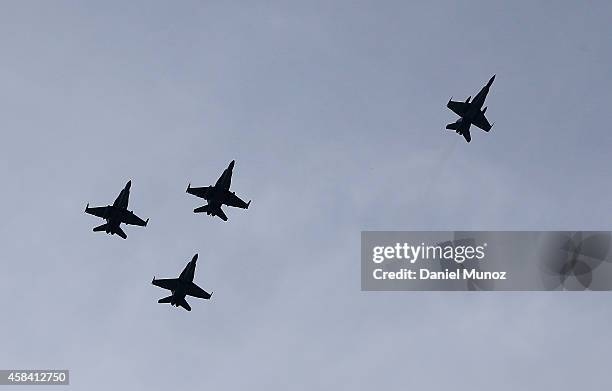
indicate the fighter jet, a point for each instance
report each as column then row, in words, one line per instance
column 182, row 286
column 218, row 195
column 470, row 113
column 116, row 214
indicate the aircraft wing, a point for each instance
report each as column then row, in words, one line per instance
column 458, row 108
column 130, row 218
column 202, row 192
column 231, row 199
column 98, row 211
column 482, row 122
column 196, row 291
column 166, row 283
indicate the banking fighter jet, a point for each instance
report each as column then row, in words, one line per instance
column 470, row 113
column 182, row 286
column 218, row 195
column 116, row 214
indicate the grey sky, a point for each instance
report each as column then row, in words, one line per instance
column 335, row 114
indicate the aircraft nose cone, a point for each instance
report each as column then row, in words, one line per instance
column 129, row 184
column 231, row 165
column 195, row 258
column 491, row 80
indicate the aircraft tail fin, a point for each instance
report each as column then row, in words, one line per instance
column 165, row 299
column 453, row 126
column 211, row 211
column 120, row 232
column 205, row 208
column 222, row 215
column 459, row 129
column 183, row 303
column 100, row 228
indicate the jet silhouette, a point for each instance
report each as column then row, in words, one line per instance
column 218, row 195
column 470, row 113
column 116, row 214
column 182, row 287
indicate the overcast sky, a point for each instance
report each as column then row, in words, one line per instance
column 335, row 115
